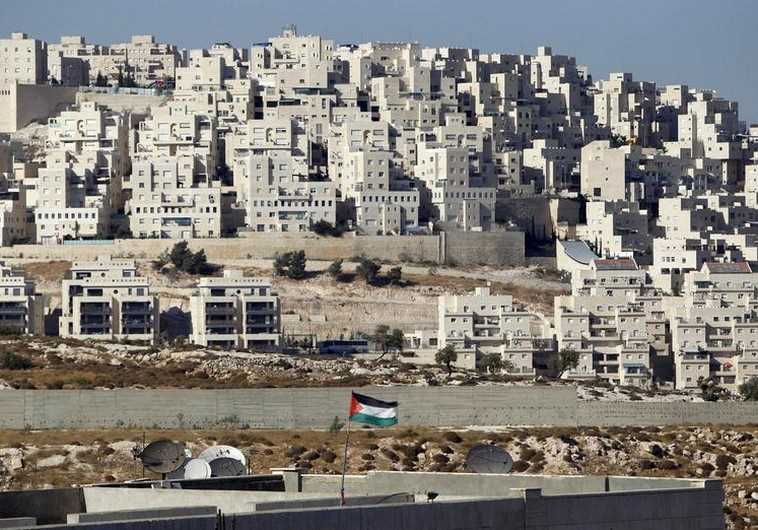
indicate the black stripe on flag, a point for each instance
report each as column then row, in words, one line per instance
column 373, row 402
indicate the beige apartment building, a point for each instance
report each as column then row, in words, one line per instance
column 291, row 61
column 149, row 62
column 166, row 205
column 23, row 60
column 81, row 184
column 455, row 196
column 22, row 309
column 272, row 178
column 484, row 323
column 105, row 299
column 235, row 312
column 98, row 59
column 607, row 325
column 616, row 229
column 282, row 200
column 174, row 190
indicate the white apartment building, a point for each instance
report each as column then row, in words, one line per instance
column 626, row 106
column 99, row 60
column 272, row 178
column 374, row 189
column 616, row 229
column 149, row 62
column 104, row 134
column 455, row 195
column 23, row 60
column 607, row 326
column 281, row 200
column 551, row 166
column 291, row 61
column 81, row 184
column 235, row 312
column 484, row 323
column 175, row 189
column 105, row 299
column 166, row 205
column 70, row 203
column 22, row 309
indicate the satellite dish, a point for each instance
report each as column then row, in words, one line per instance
column 178, row 473
column 485, row 458
column 223, row 451
column 226, row 467
column 163, row 456
column 197, row 469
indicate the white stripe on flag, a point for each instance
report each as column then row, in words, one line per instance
column 378, row 412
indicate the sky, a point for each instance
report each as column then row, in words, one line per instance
column 701, row 43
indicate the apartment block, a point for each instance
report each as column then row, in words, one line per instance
column 235, row 312
column 605, row 323
column 23, row 60
column 616, row 228
column 150, row 62
column 106, row 299
column 22, row 308
column 484, row 323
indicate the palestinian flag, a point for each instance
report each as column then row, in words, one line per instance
column 364, row 409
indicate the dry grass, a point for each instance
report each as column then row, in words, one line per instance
column 47, row 270
column 541, row 298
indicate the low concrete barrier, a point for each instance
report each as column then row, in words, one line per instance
column 315, row 408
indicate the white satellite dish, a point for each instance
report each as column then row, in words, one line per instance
column 162, row 456
column 197, row 469
column 223, row 451
column 178, row 473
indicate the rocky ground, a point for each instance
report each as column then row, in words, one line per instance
column 62, row 458
column 53, row 363
column 328, row 308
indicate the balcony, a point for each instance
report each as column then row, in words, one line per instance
column 13, row 310
column 220, row 309
column 136, row 308
column 220, row 330
column 257, row 330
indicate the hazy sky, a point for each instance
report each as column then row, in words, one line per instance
column 701, row 43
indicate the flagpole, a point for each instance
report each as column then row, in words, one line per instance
column 344, row 464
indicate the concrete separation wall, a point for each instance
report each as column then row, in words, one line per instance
column 491, row 248
column 315, row 408
column 500, row 514
column 47, row 506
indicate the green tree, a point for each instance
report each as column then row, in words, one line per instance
column 567, row 360
column 395, row 275
column 396, row 340
column 100, row 80
column 297, row 264
column 446, row 357
column 195, row 263
column 368, row 270
column 618, row 140
column 711, row 391
column 290, row 264
column 183, row 259
column 180, row 254
column 381, row 338
column 493, row 363
column 335, row 269
column 281, row 262
column 749, row 389
column 325, row 228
